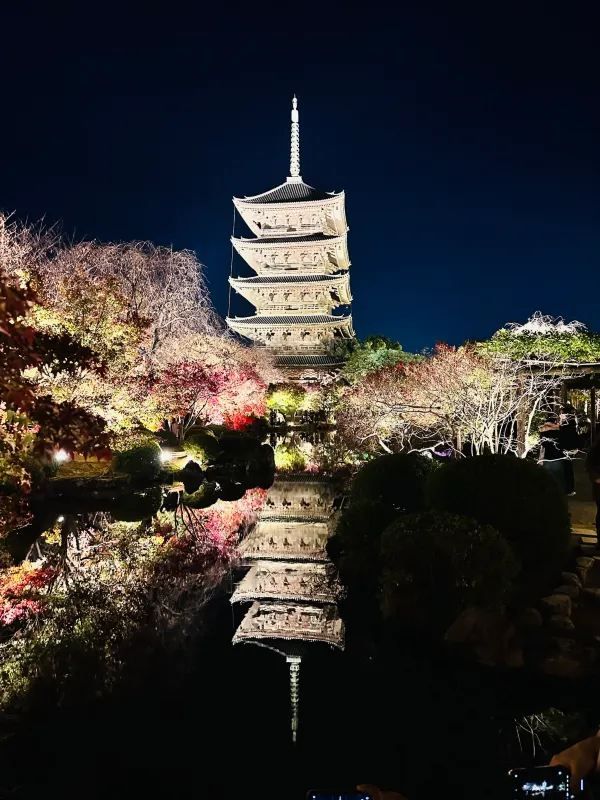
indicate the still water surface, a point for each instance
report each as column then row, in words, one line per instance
column 276, row 703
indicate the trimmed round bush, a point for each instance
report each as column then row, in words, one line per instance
column 192, row 476
column 518, row 498
column 356, row 544
column 397, row 480
column 435, row 564
column 237, row 445
column 142, row 463
column 202, row 446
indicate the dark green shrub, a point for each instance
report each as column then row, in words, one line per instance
column 356, row 544
column 138, row 505
column 397, row 480
column 237, row 445
column 203, row 446
column 436, row 564
column 518, row 498
column 142, row 463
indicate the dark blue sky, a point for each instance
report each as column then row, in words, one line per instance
column 467, row 140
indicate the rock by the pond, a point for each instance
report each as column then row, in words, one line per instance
column 556, row 604
column 570, row 591
column 529, row 618
column 584, row 564
column 566, row 646
column 570, row 579
column 171, row 501
column 561, row 666
column 205, row 496
column 490, row 635
column 561, row 623
column 592, row 594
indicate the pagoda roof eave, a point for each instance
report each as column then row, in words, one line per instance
column 289, row 193
column 251, row 596
column 308, row 361
column 258, row 243
column 317, row 279
column 256, row 636
column 282, row 321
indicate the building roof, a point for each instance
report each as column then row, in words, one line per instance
column 289, row 192
column 308, row 361
column 260, row 280
column 301, row 319
column 289, row 240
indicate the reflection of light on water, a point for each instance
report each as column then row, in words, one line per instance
column 291, row 584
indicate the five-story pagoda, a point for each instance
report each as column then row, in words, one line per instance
column 300, row 256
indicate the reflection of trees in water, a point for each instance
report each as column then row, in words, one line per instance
column 291, row 584
column 97, row 590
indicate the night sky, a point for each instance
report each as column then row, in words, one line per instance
column 466, row 138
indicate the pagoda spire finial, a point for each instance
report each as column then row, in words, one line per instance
column 294, row 664
column 295, row 176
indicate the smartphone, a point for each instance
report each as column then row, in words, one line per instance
column 352, row 795
column 541, row 783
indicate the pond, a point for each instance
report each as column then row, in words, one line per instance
column 276, row 698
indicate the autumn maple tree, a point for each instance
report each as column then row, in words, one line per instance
column 34, row 424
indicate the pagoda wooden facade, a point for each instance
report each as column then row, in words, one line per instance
column 301, row 290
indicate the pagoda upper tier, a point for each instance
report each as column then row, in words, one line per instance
column 288, row 294
column 310, row 253
column 302, row 333
column 293, row 209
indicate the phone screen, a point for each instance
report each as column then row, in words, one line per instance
column 541, row 783
column 338, row 796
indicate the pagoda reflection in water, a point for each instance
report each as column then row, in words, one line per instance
column 291, row 585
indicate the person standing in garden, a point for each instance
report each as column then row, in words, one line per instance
column 552, row 457
column 593, row 468
column 568, row 441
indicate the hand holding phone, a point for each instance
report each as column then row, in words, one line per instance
column 541, row 783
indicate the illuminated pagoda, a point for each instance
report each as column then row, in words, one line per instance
column 300, row 256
